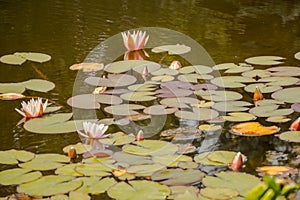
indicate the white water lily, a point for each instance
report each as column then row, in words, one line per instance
column 94, row 130
column 33, row 108
column 135, row 41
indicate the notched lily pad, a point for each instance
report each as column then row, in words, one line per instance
column 199, row 69
column 94, row 185
column 231, row 81
column 136, row 65
column 284, row 71
column 265, row 60
column 159, row 110
column 231, row 106
column 13, row 156
column 270, row 111
column 199, row 114
column 239, row 117
column 264, row 88
column 79, row 147
column 193, row 78
column 290, row 136
column 12, row 59
column 33, row 56
column 289, row 95
column 18, row 176
column 219, row 95
column 182, row 133
column 112, row 80
column 219, row 193
column 124, row 109
column 216, row 158
column 138, row 96
column 177, row 49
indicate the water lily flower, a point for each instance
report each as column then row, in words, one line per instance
column 135, row 41
column 175, row 65
column 33, row 108
column 237, row 162
column 94, row 130
column 257, row 95
column 295, row 126
column 136, row 55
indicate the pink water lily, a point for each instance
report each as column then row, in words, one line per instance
column 135, row 41
column 94, row 130
column 33, row 108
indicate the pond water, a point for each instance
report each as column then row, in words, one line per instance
column 230, row 31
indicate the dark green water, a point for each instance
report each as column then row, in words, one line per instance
column 229, row 30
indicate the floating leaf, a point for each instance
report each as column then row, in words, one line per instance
column 118, row 138
column 38, row 85
column 12, row 59
column 145, row 169
column 216, row 158
column 178, row 176
column 193, row 78
column 270, row 110
column 199, row 114
column 185, row 148
column 279, row 81
column 138, row 117
column 51, row 109
column 253, row 129
column 180, row 102
column 165, row 71
column 150, row 147
column 268, row 102
column 297, row 55
column 163, row 78
column 136, row 65
column 45, row 162
column 93, row 169
column 219, row 193
column 84, row 101
column 18, row 176
column 13, row 156
column 239, row 117
column 264, row 88
column 265, row 60
column 203, row 104
column 124, row 109
column 232, row 180
column 122, row 157
column 50, row 185
column 140, row 189
column 173, row 92
column 182, row 133
column 12, row 88
column 142, row 87
column 260, row 73
column 95, row 185
column 171, row 160
column 11, row 96
column 209, row 127
column 284, row 71
column 199, row 69
column 289, row 95
column 278, row 119
column 179, row 190
column 296, row 107
column 79, row 147
column 275, row 170
column 112, row 80
column 231, row 106
column 219, row 95
column 159, row 110
column 290, row 136
column 231, row 81
column 138, row 96
column 69, row 170
column 177, row 49
column 35, row 57
column 74, row 195
column 233, row 68
column 87, row 67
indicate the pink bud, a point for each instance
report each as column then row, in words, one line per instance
column 295, row 126
column 140, row 136
column 175, row 65
column 237, row 162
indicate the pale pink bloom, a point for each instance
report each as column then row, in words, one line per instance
column 33, row 108
column 237, row 162
column 93, row 130
column 175, row 65
column 135, row 41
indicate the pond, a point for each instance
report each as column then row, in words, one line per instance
column 72, row 32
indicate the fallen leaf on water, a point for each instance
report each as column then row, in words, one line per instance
column 253, row 129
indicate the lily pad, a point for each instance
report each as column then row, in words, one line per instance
column 278, row 119
column 178, row 176
column 232, row 180
column 131, row 159
column 231, row 106
column 18, row 176
column 173, row 92
column 84, row 101
column 180, row 102
column 177, row 49
column 264, row 88
column 260, row 73
column 231, row 81
column 297, row 55
column 142, row 87
column 233, row 68
column 199, row 114
column 289, row 95
column 193, row 78
column 145, row 170
column 253, row 129
column 178, row 190
column 165, row 71
column 51, row 109
column 38, row 85
column 219, row 193
column 35, row 57
column 284, row 71
column 139, row 189
column 118, row 138
column 163, row 78
column 290, row 136
column 239, row 117
column 199, row 69
column 94, row 185
column 12, row 59
column 270, row 111
column 136, row 65
column 182, row 133
column 13, row 156
column 138, row 96
column 279, row 81
column 79, row 147
column 45, row 162
column 209, row 127
column 150, row 147
column 265, row 60
column 216, row 158
column 219, row 95
column 124, row 109
column 11, row 96
column 12, row 88
column 87, row 67
column 171, row 160
column 50, row 185
column 159, row 110
column 112, row 80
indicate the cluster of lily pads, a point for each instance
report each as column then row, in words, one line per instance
column 131, row 166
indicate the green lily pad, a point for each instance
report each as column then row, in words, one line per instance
column 51, row 109
column 12, row 59
column 239, row 117
column 150, row 147
column 179, row 102
column 69, row 170
column 179, row 190
column 178, row 176
column 219, row 193
column 140, row 189
column 159, row 110
column 13, row 156
column 193, row 78
column 219, row 95
column 188, row 165
column 199, row 114
column 265, row 60
column 124, row 109
column 279, row 81
column 261, row 73
column 38, row 85
column 284, row 71
column 84, row 101
column 45, row 162
column 94, row 185
column 182, row 133
column 177, row 49
column 199, row 69
column 142, row 87
column 231, row 106
column 145, row 169
column 297, row 55
column 210, row 127
column 110, row 121
column 268, row 102
column 74, row 195
column 216, row 158
column 171, row 160
column 163, row 78
column 118, row 138
column 264, row 88
column 50, row 185
column 18, row 176
column 136, row 65
column 270, row 111
column 231, row 81
column 233, row 68
column 12, row 88
column 35, row 57
column 112, row 80
column 165, row 71
column 79, row 147
column 290, row 136
column 289, row 95
column 138, row 96
column 131, row 159
column 240, row 182
column 93, row 169
column 278, row 119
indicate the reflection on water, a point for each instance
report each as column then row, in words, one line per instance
column 68, row 30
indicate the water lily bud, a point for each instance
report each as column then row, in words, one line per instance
column 145, row 72
column 72, row 153
column 140, row 136
column 175, row 65
column 257, row 95
column 237, row 162
column 295, row 126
